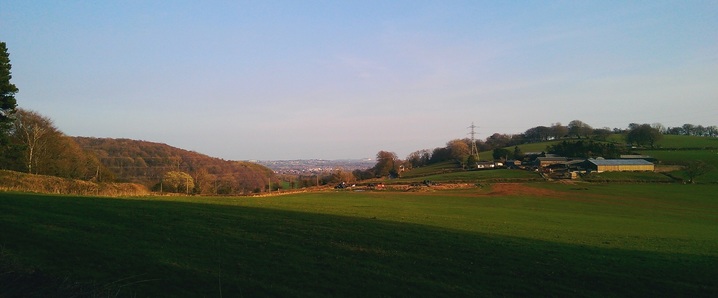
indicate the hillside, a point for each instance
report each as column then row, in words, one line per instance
column 147, row 162
column 673, row 153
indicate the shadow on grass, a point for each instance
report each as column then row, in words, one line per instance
column 90, row 247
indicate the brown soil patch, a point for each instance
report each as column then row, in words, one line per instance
column 579, row 195
column 667, row 168
column 452, row 186
column 507, row 189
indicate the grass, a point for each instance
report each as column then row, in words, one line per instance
column 531, row 147
column 536, row 147
column 554, row 240
column 682, row 156
column 433, row 169
column 482, row 176
column 688, row 148
column 675, row 141
column 643, row 177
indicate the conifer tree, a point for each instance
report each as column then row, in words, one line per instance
column 7, row 97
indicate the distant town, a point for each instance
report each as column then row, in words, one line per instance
column 315, row 166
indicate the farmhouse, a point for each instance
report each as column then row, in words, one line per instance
column 612, row 165
column 513, row 163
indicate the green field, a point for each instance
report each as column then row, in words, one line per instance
column 680, row 157
column 670, row 150
column 674, row 141
column 534, row 147
column 641, row 176
column 433, row 169
column 452, row 172
column 531, row 147
column 481, row 176
column 536, row 239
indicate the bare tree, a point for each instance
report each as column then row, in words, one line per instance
column 578, row 128
column 712, row 131
column 689, row 129
column 35, row 132
column 658, row 126
column 386, row 163
column 458, row 149
column 558, row 131
column 643, row 134
column 697, row 168
column 178, row 181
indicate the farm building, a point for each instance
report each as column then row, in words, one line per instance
column 613, row 165
column 485, row 165
column 543, row 162
column 513, row 163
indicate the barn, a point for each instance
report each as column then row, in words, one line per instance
column 619, row 165
column 543, row 162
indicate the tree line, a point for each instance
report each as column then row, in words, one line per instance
column 578, row 139
column 692, row 130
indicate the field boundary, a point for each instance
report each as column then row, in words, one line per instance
column 22, row 182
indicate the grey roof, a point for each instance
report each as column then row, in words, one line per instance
column 552, row 158
column 619, row 162
column 628, row 156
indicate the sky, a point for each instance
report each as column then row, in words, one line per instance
column 274, row 80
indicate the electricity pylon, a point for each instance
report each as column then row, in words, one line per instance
column 474, row 150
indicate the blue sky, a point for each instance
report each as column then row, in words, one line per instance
column 265, row 80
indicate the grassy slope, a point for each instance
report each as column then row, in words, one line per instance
column 434, row 169
column 676, row 149
column 533, row 147
column 483, row 176
column 682, row 156
column 650, row 240
column 674, row 141
column 688, row 151
column 667, row 141
column 690, row 148
column 648, row 177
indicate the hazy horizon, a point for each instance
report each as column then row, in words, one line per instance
column 284, row 80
